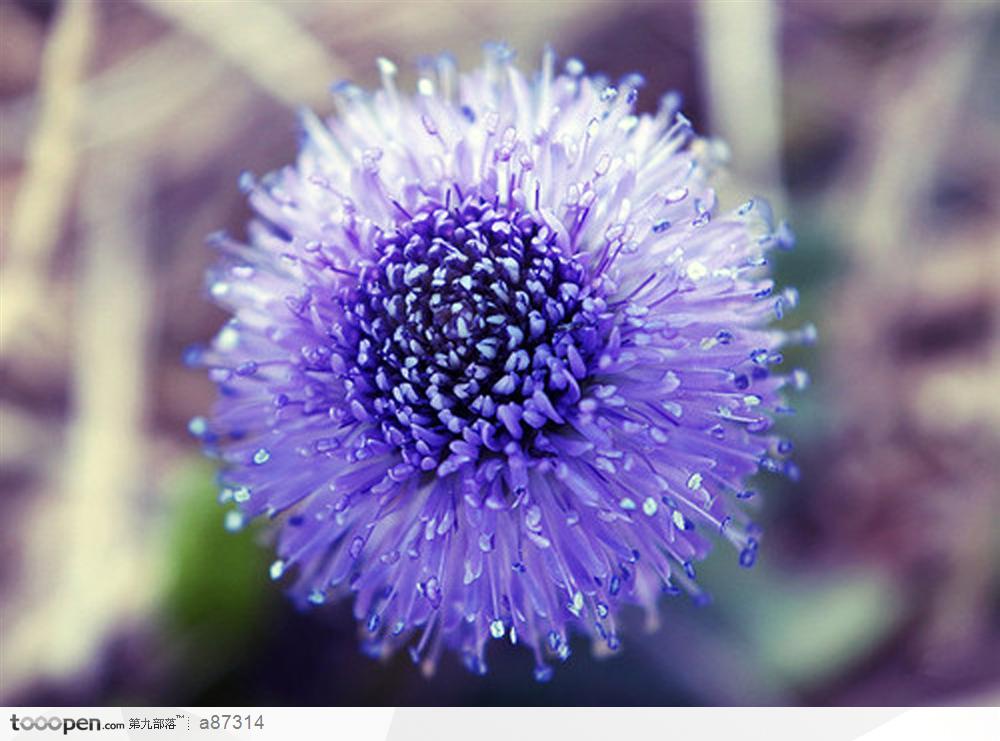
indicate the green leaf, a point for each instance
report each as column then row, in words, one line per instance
column 217, row 590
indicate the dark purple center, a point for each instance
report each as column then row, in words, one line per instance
column 474, row 332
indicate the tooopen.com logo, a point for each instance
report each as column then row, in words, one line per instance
column 54, row 723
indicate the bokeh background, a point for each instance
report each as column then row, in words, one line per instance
column 874, row 126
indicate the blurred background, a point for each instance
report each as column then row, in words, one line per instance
column 874, row 127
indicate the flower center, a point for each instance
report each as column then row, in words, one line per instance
column 474, row 330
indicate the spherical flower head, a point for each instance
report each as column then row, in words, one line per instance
column 497, row 365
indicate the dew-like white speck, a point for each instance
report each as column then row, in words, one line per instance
column 233, row 521
column 678, row 519
column 277, row 569
column 227, row 339
column 696, row 270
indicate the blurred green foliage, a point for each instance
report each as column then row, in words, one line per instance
column 804, row 627
column 217, row 598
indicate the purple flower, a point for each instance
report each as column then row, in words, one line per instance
column 497, row 365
